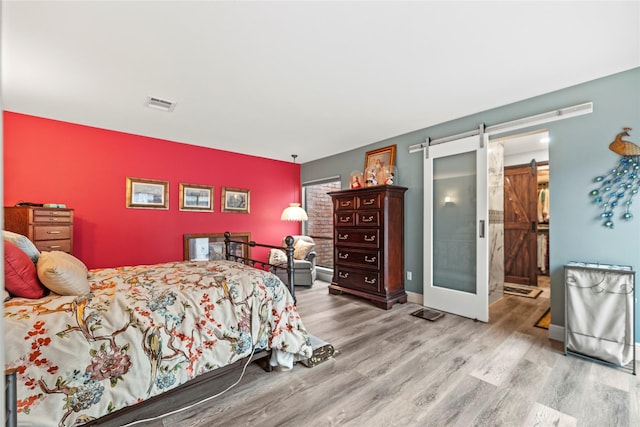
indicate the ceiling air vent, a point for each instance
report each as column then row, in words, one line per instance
column 160, row 104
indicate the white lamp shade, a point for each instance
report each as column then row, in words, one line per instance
column 294, row 213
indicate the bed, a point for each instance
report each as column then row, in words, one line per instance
column 142, row 331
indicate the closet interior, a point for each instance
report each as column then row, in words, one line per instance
column 543, row 219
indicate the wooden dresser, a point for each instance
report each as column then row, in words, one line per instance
column 368, row 238
column 50, row 229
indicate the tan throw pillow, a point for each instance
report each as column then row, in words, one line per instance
column 63, row 273
column 302, row 249
column 277, row 256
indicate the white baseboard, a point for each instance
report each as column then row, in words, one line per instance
column 415, row 297
column 556, row 332
column 324, row 274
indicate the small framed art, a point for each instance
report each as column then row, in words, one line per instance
column 235, row 200
column 194, row 197
column 147, row 193
column 380, row 158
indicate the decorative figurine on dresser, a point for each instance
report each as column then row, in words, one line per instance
column 50, row 229
column 368, row 230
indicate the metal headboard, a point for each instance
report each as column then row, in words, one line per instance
column 288, row 249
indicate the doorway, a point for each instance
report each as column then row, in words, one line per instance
column 526, row 209
column 494, row 217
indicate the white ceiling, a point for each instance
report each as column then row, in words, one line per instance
column 312, row 78
column 526, row 142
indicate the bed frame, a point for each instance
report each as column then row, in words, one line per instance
column 288, row 249
column 197, row 387
column 192, row 391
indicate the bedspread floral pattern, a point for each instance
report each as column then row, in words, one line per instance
column 140, row 331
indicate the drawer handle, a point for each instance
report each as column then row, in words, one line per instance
column 367, row 219
column 345, row 204
column 343, row 236
column 370, row 281
column 368, row 202
column 54, row 232
column 343, row 256
column 367, row 259
column 56, row 219
column 54, row 246
column 345, row 218
column 343, row 275
column 369, row 238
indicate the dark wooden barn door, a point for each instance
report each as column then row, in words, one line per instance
column 520, row 223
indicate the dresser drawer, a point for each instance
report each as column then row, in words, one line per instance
column 368, row 218
column 53, row 245
column 344, row 219
column 51, row 220
column 49, row 232
column 355, row 279
column 344, row 203
column 357, row 258
column 52, row 215
column 366, row 238
column 369, row 201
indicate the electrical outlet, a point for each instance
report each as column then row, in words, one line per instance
column 409, row 275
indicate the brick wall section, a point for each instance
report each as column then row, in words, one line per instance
column 320, row 225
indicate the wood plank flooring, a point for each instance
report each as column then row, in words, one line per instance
column 394, row 369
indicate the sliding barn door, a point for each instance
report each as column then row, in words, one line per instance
column 456, row 227
column 520, row 224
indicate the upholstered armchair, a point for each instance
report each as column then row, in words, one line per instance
column 304, row 263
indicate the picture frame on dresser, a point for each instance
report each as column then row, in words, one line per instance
column 381, row 157
column 147, row 193
column 210, row 246
column 196, row 197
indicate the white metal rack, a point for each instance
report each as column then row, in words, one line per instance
column 600, row 313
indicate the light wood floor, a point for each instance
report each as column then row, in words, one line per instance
column 395, row 369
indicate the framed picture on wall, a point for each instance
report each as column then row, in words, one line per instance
column 194, row 197
column 380, row 158
column 210, row 246
column 235, row 200
column 147, row 193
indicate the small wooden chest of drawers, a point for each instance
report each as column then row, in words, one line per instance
column 50, row 229
column 368, row 228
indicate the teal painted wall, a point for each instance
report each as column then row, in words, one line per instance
column 578, row 152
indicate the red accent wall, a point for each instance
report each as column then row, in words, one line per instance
column 48, row 161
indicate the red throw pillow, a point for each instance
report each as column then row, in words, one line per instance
column 20, row 275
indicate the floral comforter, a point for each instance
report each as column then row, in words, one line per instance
column 142, row 330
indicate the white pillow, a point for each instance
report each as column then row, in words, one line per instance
column 277, row 256
column 302, row 249
column 23, row 243
column 63, row 273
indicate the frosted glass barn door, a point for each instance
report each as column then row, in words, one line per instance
column 456, row 228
